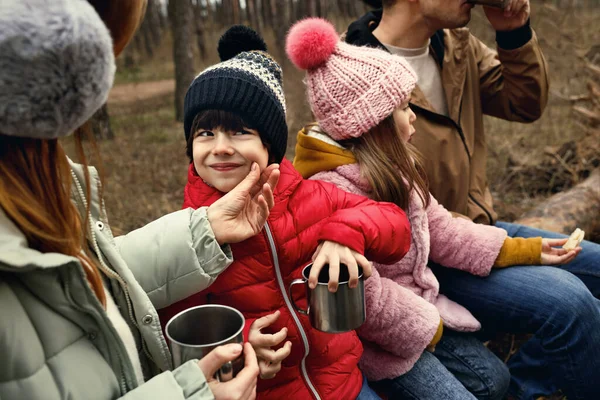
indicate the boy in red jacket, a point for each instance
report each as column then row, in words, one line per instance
column 234, row 121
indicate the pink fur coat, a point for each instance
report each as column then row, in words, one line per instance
column 404, row 305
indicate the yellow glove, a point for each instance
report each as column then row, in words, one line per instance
column 519, row 251
column 436, row 338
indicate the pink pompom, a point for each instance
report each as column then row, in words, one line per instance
column 310, row 42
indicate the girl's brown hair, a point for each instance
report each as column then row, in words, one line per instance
column 35, row 193
column 391, row 166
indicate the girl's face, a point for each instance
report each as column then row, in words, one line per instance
column 404, row 118
column 223, row 158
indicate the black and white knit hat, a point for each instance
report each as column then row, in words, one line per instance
column 248, row 82
column 56, row 66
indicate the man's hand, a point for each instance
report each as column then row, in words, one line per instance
column 243, row 386
column 512, row 17
column 242, row 212
column 269, row 360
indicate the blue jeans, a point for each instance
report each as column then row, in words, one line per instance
column 586, row 266
column 366, row 393
column 548, row 302
column 461, row 368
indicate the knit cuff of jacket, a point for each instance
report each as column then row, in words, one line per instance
column 438, row 335
column 510, row 40
column 519, row 251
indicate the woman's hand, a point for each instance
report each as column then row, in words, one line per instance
column 512, row 17
column 243, row 386
column 552, row 254
column 241, row 213
column 269, row 360
column 333, row 254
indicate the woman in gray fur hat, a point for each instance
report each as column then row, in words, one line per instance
column 74, row 320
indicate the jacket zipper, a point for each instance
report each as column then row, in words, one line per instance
column 464, row 142
column 446, row 118
column 292, row 312
column 110, row 274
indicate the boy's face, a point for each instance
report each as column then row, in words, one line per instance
column 223, row 158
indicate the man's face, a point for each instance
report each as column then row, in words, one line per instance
column 445, row 14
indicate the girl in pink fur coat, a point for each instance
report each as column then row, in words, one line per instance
column 360, row 97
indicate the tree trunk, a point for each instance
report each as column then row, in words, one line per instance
column 101, row 124
column 199, row 21
column 312, row 8
column 279, row 26
column 154, row 23
column 235, row 11
column 181, row 13
column 578, row 207
column 324, row 6
column 266, row 12
column 253, row 15
column 300, row 10
column 210, row 12
column 146, row 31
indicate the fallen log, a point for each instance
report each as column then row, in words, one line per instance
column 578, row 207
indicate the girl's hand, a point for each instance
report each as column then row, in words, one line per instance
column 243, row 386
column 512, row 17
column 242, row 212
column 553, row 254
column 333, row 254
column 269, row 360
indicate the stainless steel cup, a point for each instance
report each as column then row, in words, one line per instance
column 490, row 3
column 337, row 312
column 195, row 332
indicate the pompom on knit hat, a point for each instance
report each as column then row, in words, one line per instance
column 247, row 82
column 56, row 66
column 350, row 89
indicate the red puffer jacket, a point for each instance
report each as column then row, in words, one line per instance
column 321, row 365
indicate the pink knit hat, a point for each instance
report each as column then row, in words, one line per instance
column 350, row 89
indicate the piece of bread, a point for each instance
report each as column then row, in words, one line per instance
column 574, row 240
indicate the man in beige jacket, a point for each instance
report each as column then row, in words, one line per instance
column 459, row 80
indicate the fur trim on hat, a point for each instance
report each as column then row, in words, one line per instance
column 56, row 66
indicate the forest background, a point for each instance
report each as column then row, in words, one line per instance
column 141, row 139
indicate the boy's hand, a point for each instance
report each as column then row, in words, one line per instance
column 333, row 254
column 269, row 360
column 243, row 386
column 552, row 254
column 512, row 17
column 242, row 212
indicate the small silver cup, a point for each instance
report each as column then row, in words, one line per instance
column 195, row 332
column 337, row 312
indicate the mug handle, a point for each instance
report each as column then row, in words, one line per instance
column 297, row 282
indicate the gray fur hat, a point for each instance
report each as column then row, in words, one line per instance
column 56, row 66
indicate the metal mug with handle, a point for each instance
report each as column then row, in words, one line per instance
column 338, row 312
column 195, row 332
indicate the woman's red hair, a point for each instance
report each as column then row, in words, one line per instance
column 35, row 193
